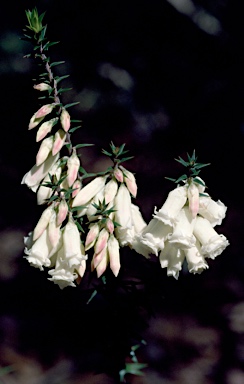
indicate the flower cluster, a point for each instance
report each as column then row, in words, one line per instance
column 184, row 227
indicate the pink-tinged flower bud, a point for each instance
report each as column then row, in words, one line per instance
column 45, row 128
column 42, row 87
column 44, row 150
column 37, row 173
column 97, row 257
column 65, row 120
column 130, row 181
column 34, row 121
column 89, row 191
column 114, row 257
column 44, row 110
column 193, row 198
column 118, row 174
column 76, row 187
column 110, row 191
column 82, row 268
column 42, row 222
column 110, row 226
column 59, row 140
column 62, row 212
column 92, row 235
column 73, row 165
column 101, row 267
column 102, row 240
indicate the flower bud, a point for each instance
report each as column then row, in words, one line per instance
column 44, row 110
column 130, row 181
column 92, row 235
column 114, row 256
column 44, row 150
column 73, row 165
column 89, row 191
column 42, row 87
column 101, row 242
column 101, row 267
column 110, row 226
column 110, row 191
column 118, row 174
column 62, row 212
column 193, row 198
column 59, row 140
column 65, row 120
column 45, row 128
column 76, row 187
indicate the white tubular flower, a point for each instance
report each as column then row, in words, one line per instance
column 122, row 206
column 212, row 243
column 130, row 181
column 92, row 235
column 58, row 142
column 43, row 222
column 89, row 191
column 213, row 211
column 38, row 254
column 138, row 222
column 195, row 260
column 175, row 201
column 72, row 244
column 193, row 198
column 53, row 230
column 62, row 274
column 110, row 191
column 45, row 128
column 114, row 256
column 37, row 173
column 154, row 235
column 44, row 193
column 171, row 258
column 73, row 165
column 65, row 120
column 44, row 150
column 182, row 235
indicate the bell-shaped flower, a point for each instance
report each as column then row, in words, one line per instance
column 37, row 173
column 72, row 244
column 38, row 254
column 110, row 190
column 73, row 165
column 173, row 204
column 62, row 212
column 45, row 128
column 171, row 258
column 65, row 120
column 195, row 260
column 213, row 211
column 44, row 150
column 92, row 235
column 89, row 191
column 153, row 237
column 193, row 198
column 44, row 192
column 58, row 142
column 43, row 222
column 54, row 232
column 182, row 234
column 130, row 181
column 212, row 244
column 113, row 254
column 63, row 274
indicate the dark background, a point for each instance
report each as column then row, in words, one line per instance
column 164, row 77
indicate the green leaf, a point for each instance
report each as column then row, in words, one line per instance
column 106, row 153
column 74, row 129
column 56, row 63
column 83, row 145
column 61, row 90
column 183, row 177
column 58, row 79
column 183, row 162
column 71, row 104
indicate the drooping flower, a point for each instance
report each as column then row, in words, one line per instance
column 182, row 234
column 173, row 204
column 213, row 211
column 58, row 142
column 171, row 258
column 195, row 260
column 38, row 253
column 130, row 181
column 45, row 128
column 153, row 237
column 89, row 191
column 73, row 165
column 113, row 254
column 44, row 150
